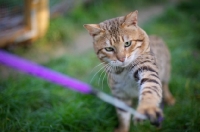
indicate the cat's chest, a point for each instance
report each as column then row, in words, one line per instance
column 124, row 82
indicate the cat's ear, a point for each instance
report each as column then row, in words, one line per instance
column 131, row 19
column 93, row 29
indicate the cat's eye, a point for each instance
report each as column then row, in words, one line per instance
column 109, row 49
column 127, row 44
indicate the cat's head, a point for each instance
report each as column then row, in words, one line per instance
column 119, row 41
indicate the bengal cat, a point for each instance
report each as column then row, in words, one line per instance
column 137, row 66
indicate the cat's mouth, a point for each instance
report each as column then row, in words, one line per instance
column 125, row 64
column 120, row 64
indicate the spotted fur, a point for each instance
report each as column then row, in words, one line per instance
column 137, row 66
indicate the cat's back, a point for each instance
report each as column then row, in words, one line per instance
column 162, row 55
column 158, row 46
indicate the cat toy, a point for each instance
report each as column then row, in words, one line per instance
column 42, row 72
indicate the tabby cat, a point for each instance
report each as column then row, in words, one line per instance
column 137, row 66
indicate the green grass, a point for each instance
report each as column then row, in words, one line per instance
column 30, row 104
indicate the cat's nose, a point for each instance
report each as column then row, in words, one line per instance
column 121, row 59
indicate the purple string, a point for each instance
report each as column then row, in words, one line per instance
column 43, row 72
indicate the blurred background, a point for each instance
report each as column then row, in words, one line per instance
column 51, row 33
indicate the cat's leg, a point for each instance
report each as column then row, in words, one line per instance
column 168, row 98
column 124, row 117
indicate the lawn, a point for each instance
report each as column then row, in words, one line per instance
column 28, row 104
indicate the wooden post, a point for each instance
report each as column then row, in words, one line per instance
column 27, row 13
column 42, row 17
column 36, row 17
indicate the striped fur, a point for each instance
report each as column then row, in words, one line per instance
column 137, row 65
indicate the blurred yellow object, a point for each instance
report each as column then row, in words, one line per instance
column 35, row 24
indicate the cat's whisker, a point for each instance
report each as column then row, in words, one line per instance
column 97, row 66
column 103, row 80
column 108, row 75
column 96, row 73
column 107, row 69
column 107, row 72
column 102, row 73
column 100, row 77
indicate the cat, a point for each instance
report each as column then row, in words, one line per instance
column 137, row 66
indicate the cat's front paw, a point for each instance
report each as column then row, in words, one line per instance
column 152, row 112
